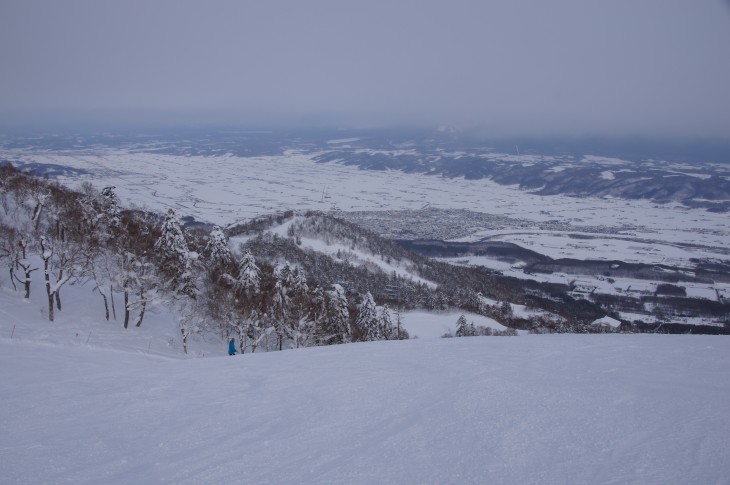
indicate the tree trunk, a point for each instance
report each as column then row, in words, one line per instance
column 47, row 274
column 185, row 340
column 114, row 308
column 26, row 283
column 58, row 292
column 254, row 342
column 141, row 311
column 12, row 278
column 26, row 270
column 37, row 215
column 50, row 297
column 126, row 307
column 242, row 340
column 106, row 302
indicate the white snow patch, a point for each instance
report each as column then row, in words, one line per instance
column 607, row 321
column 429, row 325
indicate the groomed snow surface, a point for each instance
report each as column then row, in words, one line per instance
column 83, row 401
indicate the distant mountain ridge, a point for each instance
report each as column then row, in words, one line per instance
column 693, row 172
column 698, row 185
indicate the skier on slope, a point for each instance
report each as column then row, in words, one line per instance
column 232, row 346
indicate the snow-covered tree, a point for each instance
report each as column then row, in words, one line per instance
column 280, row 309
column 175, row 257
column 249, row 275
column 288, row 303
column 318, row 313
column 111, row 208
column 387, row 330
column 172, row 245
column 8, row 248
column 464, row 329
column 146, row 289
column 46, row 255
column 191, row 319
column 367, row 319
column 505, row 310
column 337, row 324
column 25, row 264
column 481, row 302
column 299, row 281
column 126, row 281
column 217, row 252
column 63, row 262
column 96, row 238
column 297, row 290
column 251, row 330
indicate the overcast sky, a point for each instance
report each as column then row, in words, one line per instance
column 533, row 66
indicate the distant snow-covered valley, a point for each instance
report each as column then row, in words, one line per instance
column 682, row 245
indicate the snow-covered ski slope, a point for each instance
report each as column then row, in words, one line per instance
column 641, row 409
column 83, row 401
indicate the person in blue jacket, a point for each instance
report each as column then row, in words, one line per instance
column 232, row 346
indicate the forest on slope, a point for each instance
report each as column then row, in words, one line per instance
column 271, row 291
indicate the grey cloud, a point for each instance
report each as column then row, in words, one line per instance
column 655, row 66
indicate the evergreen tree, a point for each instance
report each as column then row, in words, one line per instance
column 175, row 257
column 110, row 207
column 462, row 327
column 280, row 303
column 172, row 245
column 299, row 281
column 249, row 275
column 387, row 330
column 337, row 324
column 297, row 293
column 318, row 314
column 367, row 319
column 217, row 251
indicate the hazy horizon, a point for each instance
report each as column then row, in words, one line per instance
column 565, row 68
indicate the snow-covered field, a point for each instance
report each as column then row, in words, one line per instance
column 664, row 249
column 225, row 189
